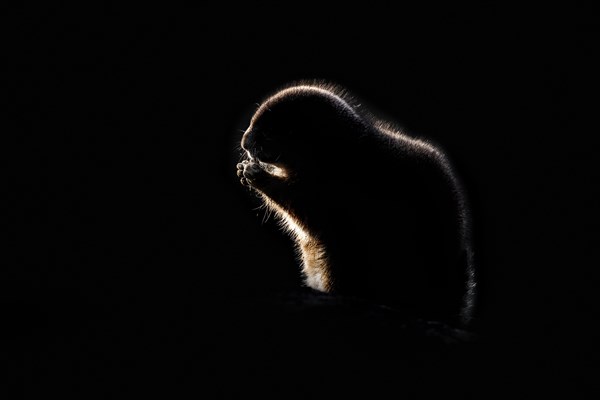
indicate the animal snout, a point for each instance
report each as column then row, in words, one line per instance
column 247, row 142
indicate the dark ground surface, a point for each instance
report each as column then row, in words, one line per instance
column 137, row 264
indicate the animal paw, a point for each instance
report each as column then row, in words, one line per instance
column 251, row 173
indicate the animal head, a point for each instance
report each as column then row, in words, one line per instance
column 300, row 124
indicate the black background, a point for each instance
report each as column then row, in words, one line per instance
column 128, row 232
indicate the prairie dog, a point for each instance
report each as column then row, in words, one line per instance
column 374, row 212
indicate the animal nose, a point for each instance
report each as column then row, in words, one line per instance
column 246, row 140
